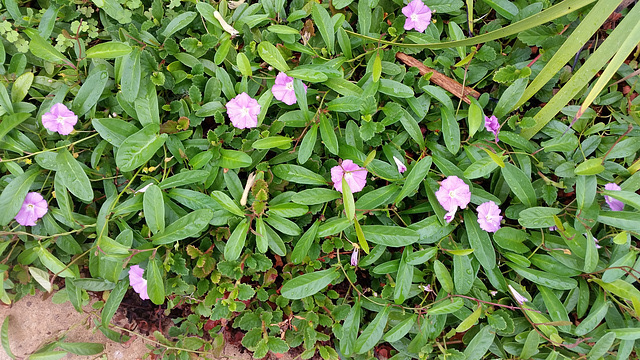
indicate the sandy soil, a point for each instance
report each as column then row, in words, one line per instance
column 35, row 321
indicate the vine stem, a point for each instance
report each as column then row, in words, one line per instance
column 55, row 148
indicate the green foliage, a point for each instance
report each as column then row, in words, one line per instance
column 246, row 223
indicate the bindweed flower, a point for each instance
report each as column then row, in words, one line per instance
column 493, row 292
column 137, row 282
column 243, row 111
column 426, row 288
column 492, row 125
column 355, row 176
column 519, row 298
column 283, row 89
column 33, row 208
column 418, row 16
column 489, row 216
column 614, row 204
column 553, row 228
column 453, row 194
column 59, row 119
column 354, row 256
column 401, row 166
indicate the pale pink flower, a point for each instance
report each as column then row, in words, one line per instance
column 354, row 256
column 553, row 228
column 426, row 288
column 283, row 89
column 243, row 111
column 59, row 119
column 355, row 176
column 614, row 204
column 418, row 16
column 137, row 282
column 489, row 216
column 33, row 208
column 453, row 194
column 519, row 298
column 492, row 125
column 401, row 166
column 493, row 292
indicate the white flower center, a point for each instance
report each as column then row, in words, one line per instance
column 414, row 17
column 489, row 218
column 348, row 176
column 245, row 111
column 60, row 120
column 30, row 206
column 289, row 86
column 453, row 194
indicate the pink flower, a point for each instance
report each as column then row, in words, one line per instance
column 401, row 166
column 553, row 228
column 59, row 119
column 489, row 216
column 492, row 125
column 283, row 89
column 355, row 176
column 137, row 282
column 614, row 204
column 453, row 194
column 243, row 111
column 354, row 257
column 519, row 298
column 418, row 16
column 33, row 208
column 426, row 288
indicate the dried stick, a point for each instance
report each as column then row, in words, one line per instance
column 439, row 79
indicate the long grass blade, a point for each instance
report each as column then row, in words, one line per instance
column 588, row 26
column 582, row 77
column 552, row 13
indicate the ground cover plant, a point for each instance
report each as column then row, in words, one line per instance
column 437, row 179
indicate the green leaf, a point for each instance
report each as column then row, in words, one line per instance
column 48, row 355
column 590, row 167
column 184, row 177
column 323, row 21
column 463, row 274
column 509, row 97
column 11, row 121
column 262, row 242
column 91, row 90
column 308, row 284
column 114, row 131
column 303, row 245
column 155, row 281
column 377, row 197
column 504, row 8
column 450, row 130
column 623, row 220
column 113, row 302
column 53, row 263
column 626, row 333
column 153, row 206
column 350, row 329
column 394, row 236
column 5, row 337
column 298, row 174
column 373, row 332
column 310, row 75
column 538, row 217
column 377, row 68
column 131, row 74
column 73, row 177
column 5, row 101
column 478, row 346
column 82, row 348
column 235, row 244
column 278, row 141
column 328, row 134
column 108, row 50
column 315, row 196
column 233, row 159
column 596, row 315
column 243, row 64
column 415, row 177
column 627, row 197
column 520, row 184
column 187, row 226
column 14, row 194
column 544, row 278
column 43, row 48
column 395, row 89
column 21, row 87
column 479, row 241
column 272, row 56
column 178, row 23
column 480, row 168
column 443, row 276
column 399, row 331
column 307, row 145
column 138, row 148
column 395, row 111
column 227, row 203
column 347, row 200
column 404, row 279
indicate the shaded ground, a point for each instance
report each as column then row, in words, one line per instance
column 35, row 321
